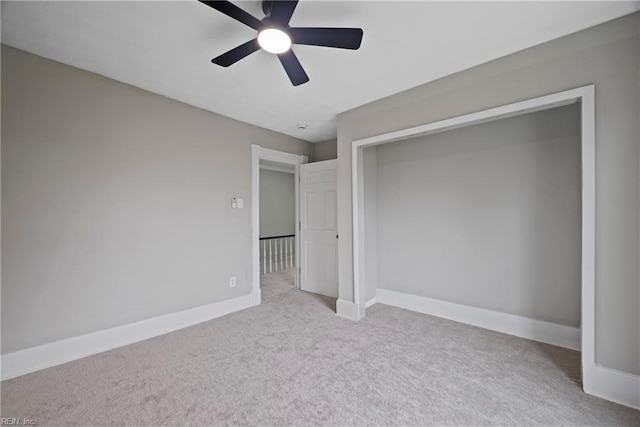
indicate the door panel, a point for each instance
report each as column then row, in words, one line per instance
column 312, row 210
column 331, row 263
column 313, row 177
column 318, row 228
column 330, row 209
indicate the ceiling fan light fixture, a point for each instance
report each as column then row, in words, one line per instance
column 274, row 40
column 276, row 36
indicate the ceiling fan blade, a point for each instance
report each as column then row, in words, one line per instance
column 236, row 54
column 343, row 38
column 233, row 11
column 293, row 68
column 281, row 11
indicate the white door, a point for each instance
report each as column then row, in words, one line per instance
column 319, row 228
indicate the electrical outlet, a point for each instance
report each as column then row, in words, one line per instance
column 232, row 281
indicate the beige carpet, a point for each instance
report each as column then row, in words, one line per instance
column 292, row 361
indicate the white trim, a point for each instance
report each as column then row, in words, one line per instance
column 611, row 384
column 55, row 353
column 260, row 153
column 586, row 96
column 588, row 292
column 529, row 106
column 616, row 386
column 255, row 221
column 296, row 189
column 280, row 156
column 537, row 330
column 371, row 302
column 357, row 191
column 256, row 295
column 349, row 310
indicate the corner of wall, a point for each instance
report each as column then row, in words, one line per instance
column 325, row 150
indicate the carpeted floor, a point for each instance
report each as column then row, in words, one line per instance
column 292, row 361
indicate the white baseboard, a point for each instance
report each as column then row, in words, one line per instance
column 371, row 302
column 537, row 330
column 55, row 353
column 256, row 296
column 611, row 384
column 349, row 309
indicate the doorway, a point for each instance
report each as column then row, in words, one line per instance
column 306, row 255
column 585, row 97
column 278, row 250
column 277, row 223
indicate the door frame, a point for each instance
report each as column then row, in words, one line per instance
column 591, row 371
column 260, row 153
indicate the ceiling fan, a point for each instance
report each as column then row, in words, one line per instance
column 276, row 36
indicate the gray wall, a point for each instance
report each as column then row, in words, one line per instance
column 277, row 203
column 487, row 216
column 608, row 56
column 326, row 150
column 116, row 202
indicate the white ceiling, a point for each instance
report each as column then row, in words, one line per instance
column 166, row 47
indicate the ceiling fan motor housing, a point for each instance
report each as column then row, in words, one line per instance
column 274, row 30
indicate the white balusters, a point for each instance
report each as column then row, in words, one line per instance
column 277, row 254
